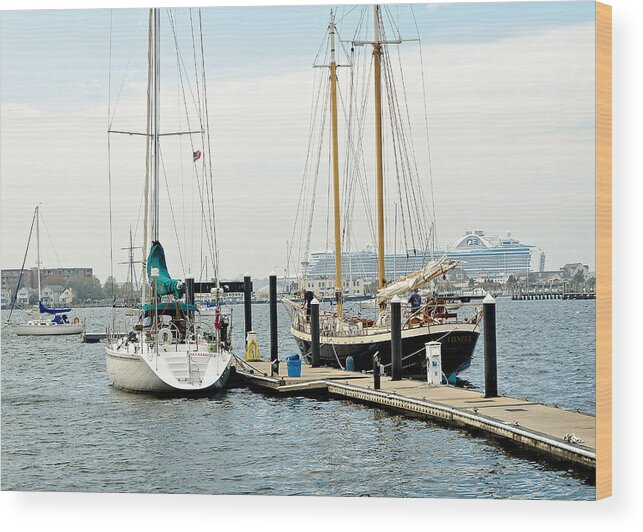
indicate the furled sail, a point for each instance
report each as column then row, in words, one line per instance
column 165, row 285
column 45, row 310
column 417, row 279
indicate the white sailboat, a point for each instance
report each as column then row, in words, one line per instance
column 59, row 323
column 344, row 336
column 169, row 350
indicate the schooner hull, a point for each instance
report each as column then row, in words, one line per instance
column 458, row 345
column 132, row 372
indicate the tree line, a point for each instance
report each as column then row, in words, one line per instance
column 91, row 289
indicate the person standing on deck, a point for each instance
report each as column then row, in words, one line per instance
column 415, row 300
column 308, row 299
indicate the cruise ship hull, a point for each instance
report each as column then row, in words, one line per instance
column 458, row 344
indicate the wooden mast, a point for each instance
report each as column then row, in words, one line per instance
column 378, row 42
column 377, row 56
column 334, row 141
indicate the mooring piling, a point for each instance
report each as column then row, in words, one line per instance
column 189, row 294
column 247, row 302
column 274, row 347
column 314, row 334
column 490, row 363
column 376, row 371
column 396, row 339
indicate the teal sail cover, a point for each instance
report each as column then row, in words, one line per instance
column 165, row 285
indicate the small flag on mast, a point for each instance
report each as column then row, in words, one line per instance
column 196, row 155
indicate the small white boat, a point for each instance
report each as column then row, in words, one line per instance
column 60, row 323
column 47, row 328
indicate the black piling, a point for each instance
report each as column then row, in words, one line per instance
column 396, row 339
column 247, row 302
column 189, row 294
column 314, row 334
column 274, row 355
column 376, row 371
column 490, row 363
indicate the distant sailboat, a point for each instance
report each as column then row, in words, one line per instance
column 60, row 323
column 169, row 350
column 355, row 336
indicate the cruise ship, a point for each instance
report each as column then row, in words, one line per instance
column 481, row 257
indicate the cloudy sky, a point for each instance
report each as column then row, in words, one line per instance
column 510, row 98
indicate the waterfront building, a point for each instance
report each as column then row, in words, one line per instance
column 10, row 277
column 26, row 296
column 574, row 269
column 481, row 257
column 326, row 286
column 51, row 294
column 67, row 297
column 65, row 273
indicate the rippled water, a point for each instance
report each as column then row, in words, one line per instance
column 65, row 429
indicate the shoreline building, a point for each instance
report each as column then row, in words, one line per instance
column 11, row 276
column 481, row 257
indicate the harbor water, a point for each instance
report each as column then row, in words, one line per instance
column 64, row 428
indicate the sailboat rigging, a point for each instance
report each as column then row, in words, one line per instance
column 169, row 349
column 358, row 337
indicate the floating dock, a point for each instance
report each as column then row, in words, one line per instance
column 553, row 295
column 554, row 432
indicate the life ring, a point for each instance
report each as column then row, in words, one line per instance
column 165, row 336
column 76, row 320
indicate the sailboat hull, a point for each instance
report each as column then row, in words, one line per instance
column 47, row 329
column 167, row 373
column 458, row 344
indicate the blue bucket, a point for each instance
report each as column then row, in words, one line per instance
column 294, row 366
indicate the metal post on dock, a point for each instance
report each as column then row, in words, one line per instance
column 396, row 339
column 314, row 334
column 274, row 354
column 189, row 294
column 490, row 364
column 189, row 290
column 376, row 371
column 247, row 302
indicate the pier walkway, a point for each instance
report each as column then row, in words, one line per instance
column 557, row 433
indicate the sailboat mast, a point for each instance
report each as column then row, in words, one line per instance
column 131, row 265
column 377, row 56
column 154, row 133
column 148, row 165
column 38, row 250
column 333, row 106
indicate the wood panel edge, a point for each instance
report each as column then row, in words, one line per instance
column 603, row 250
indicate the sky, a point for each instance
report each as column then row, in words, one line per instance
column 510, row 99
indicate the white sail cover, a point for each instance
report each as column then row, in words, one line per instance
column 416, row 279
